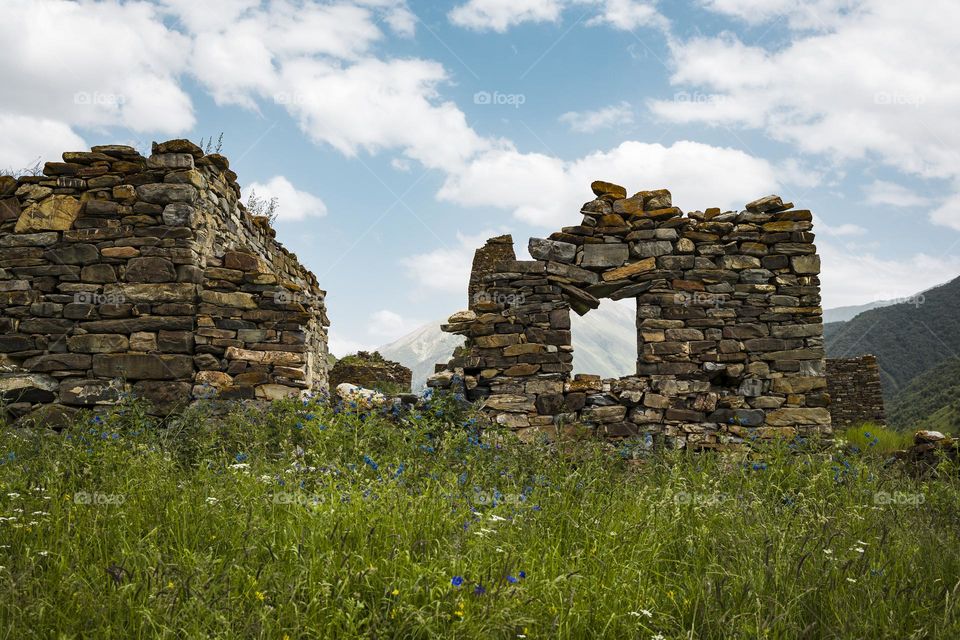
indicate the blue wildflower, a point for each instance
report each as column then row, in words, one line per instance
column 512, row 580
column 479, row 590
column 457, row 581
column 240, row 457
column 370, row 462
column 522, row 574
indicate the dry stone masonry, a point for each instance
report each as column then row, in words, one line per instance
column 124, row 274
column 855, row 393
column 373, row 371
column 729, row 327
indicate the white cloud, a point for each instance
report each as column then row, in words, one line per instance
column 948, row 213
column 863, row 87
column 27, row 140
column 390, row 325
column 447, row 269
column 292, row 204
column 591, row 121
column 376, row 105
column 546, row 191
column 340, row 345
column 882, row 192
column 845, row 229
column 850, row 278
column 501, row 15
column 627, row 15
column 93, row 64
column 800, row 14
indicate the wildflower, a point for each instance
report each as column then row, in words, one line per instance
column 457, row 581
column 759, row 466
column 395, row 592
column 851, row 580
column 211, row 500
column 43, row 554
column 170, row 585
column 512, row 580
column 829, row 552
column 260, row 595
column 370, row 462
column 479, row 590
column 522, row 574
column 241, row 457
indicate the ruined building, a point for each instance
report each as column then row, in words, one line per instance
column 121, row 274
column 729, row 329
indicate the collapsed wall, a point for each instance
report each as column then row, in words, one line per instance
column 121, row 274
column 855, row 393
column 729, row 328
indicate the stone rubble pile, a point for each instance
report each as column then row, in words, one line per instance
column 728, row 321
column 126, row 274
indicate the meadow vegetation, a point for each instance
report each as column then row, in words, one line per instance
column 309, row 520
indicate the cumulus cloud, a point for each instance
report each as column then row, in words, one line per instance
column 390, row 324
column 619, row 114
column 861, row 87
column 446, row 269
column 545, row 191
column 292, row 204
column 501, row 15
column 851, row 277
column 882, row 192
column 27, row 140
column 127, row 72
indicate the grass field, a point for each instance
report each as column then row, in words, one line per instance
column 306, row 521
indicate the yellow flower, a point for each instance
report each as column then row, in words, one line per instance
column 260, row 595
column 170, row 585
column 395, row 592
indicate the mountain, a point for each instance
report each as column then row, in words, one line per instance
column 604, row 342
column 930, row 401
column 908, row 339
column 842, row 314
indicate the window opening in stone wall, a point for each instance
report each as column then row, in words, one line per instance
column 605, row 339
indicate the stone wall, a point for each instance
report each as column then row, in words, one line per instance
column 855, row 393
column 124, row 274
column 373, row 371
column 729, row 327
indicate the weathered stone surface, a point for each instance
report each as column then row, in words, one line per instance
column 236, row 299
column 167, row 193
column 88, row 392
column 604, row 255
column 635, row 268
column 55, row 213
column 799, row 416
column 143, row 366
column 57, row 362
column 541, row 249
column 98, row 343
column 27, row 387
column 149, row 269
column 601, row 188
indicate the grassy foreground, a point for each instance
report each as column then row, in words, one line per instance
column 306, row 521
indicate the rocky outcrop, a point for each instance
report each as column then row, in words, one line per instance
column 373, row 371
column 855, row 393
column 729, row 329
column 122, row 274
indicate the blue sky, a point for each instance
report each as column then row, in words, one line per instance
column 397, row 136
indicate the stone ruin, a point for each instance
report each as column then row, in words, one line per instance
column 856, row 396
column 729, row 325
column 121, row 274
column 371, row 371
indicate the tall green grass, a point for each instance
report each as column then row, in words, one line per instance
column 311, row 522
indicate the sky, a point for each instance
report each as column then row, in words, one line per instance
column 398, row 136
